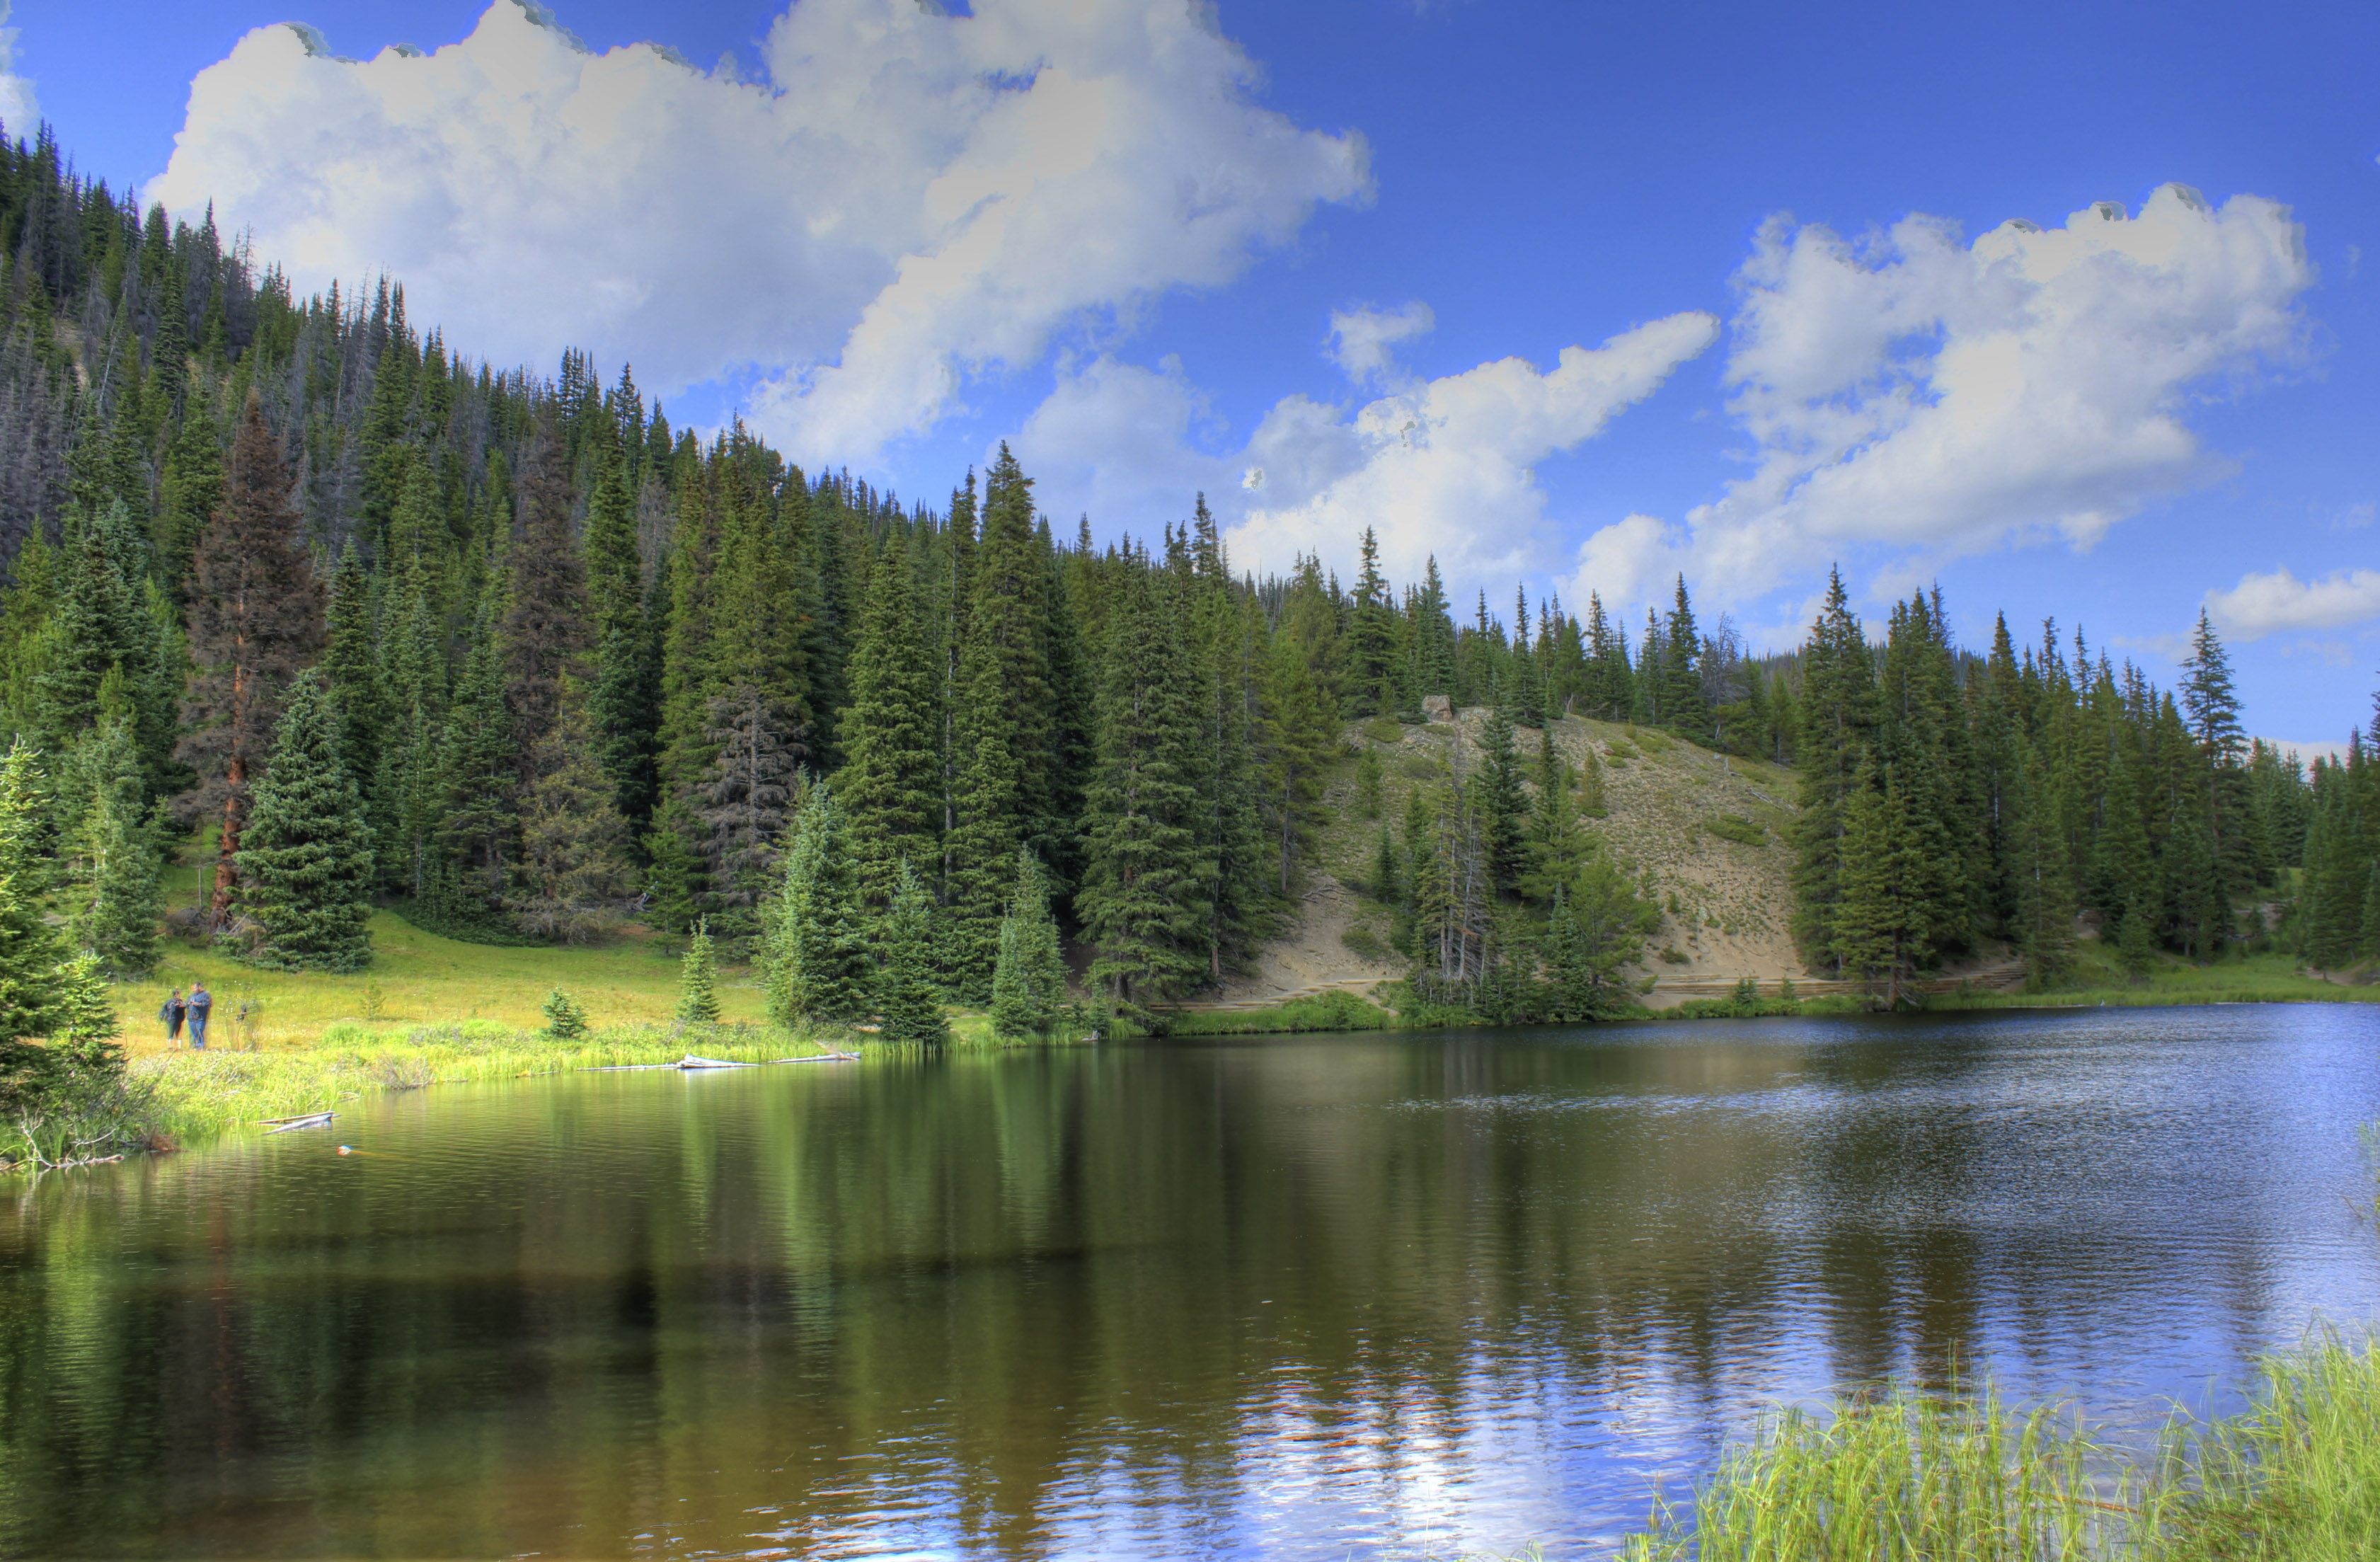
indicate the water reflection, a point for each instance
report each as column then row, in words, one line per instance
column 1307, row 1298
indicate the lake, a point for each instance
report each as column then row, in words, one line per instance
column 1299, row 1298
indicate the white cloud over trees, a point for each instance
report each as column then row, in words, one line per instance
column 908, row 199
column 2270, row 603
column 1919, row 398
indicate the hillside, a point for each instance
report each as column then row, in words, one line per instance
column 1730, row 900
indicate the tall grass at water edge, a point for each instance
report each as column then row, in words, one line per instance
column 198, row 1095
column 1909, row 1477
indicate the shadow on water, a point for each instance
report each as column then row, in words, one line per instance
column 1309, row 1297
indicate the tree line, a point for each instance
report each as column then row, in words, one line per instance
column 513, row 656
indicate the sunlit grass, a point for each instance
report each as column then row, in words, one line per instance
column 202, row 1095
column 418, row 979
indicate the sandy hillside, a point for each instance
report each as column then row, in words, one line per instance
column 1732, row 899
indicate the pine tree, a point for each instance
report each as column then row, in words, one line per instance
column 909, row 1000
column 1503, row 803
column 816, row 952
column 1372, row 650
column 478, row 772
column 1837, row 711
column 98, row 628
column 1682, row 707
column 255, row 621
column 1028, row 984
column 745, row 799
column 574, row 870
column 1301, row 741
column 1138, row 902
column 1367, row 783
column 1884, row 922
column 1005, row 795
column 888, row 783
column 1613, row 921
column 1557, row 846
column 118, row 892
column 306, row 859
column 697, row 980
column 621, row 703
column 546, row 635
column 351, row 668
column 30, row 949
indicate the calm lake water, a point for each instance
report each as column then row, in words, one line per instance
column 1295, row 1298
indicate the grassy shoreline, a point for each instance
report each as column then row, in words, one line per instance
column 1964, row 1476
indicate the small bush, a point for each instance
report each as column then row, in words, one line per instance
column 1669, row 955
column 1736, row 828
column 565, row 1020
column 1619, row 753
column 1384, row 729
column 1419, row 766
column 1337, row 1010
column 1365, row 944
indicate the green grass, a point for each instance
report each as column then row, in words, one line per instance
column 1334, row 1011
column 418, row 978
column 199, row 1096
column 1964, row 1477
column 2096, row 980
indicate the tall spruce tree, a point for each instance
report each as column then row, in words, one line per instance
column 118, row 892
column 546, row 635
column 816, row 950
column 1029, row 985
column 1837, row 710
column 574, row 870
column 888, row 783
column 255, row 622
column 908, row 997
column 1139, row 901
column 306, row 858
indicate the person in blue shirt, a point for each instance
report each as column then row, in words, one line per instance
column 200, row 1002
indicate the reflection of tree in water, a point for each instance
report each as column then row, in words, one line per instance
column 776, row 1308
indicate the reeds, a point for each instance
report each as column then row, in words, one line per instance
column 1961, row 1477
column 1902, row 1476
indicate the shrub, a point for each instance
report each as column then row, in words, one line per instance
column 1670, row 954
column 1366, row 944
column 1736, row 828
column 565, row 1020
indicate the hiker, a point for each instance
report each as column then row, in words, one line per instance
column 175, row 1007
column 200, row 1002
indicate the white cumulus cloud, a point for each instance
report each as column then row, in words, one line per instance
column 1360, row 338
column 1912, row 395
column 2265, row 604
column 20, row 111
column 1447, row 467
column 908, row 199
column 1441, row 467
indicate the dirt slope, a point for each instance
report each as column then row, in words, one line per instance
column 1732, row 899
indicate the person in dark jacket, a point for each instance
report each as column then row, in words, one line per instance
column 175, row 1007
column 200, row 1002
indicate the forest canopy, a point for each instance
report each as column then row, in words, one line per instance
column 376, row 623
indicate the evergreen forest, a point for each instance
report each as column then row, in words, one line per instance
column 296, row 583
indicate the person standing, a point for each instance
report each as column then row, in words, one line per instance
column 199, row 1003
column 175, row 1007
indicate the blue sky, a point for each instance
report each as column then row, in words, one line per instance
column 1125, row 238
